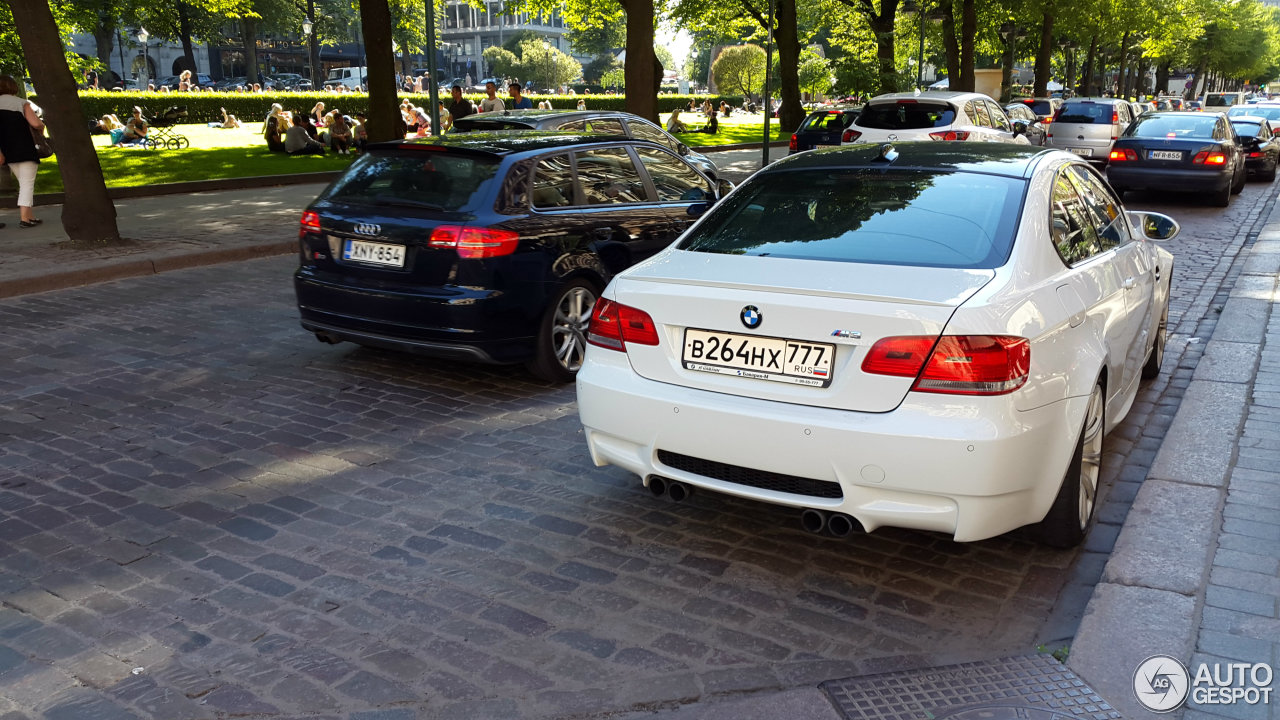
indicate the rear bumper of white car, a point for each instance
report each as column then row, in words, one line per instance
column 972, row 467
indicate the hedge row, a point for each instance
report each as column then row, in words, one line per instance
column 253, row 107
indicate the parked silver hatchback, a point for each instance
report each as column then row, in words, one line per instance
column 1089, row 126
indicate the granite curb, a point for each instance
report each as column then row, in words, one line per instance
column 1151, row 596
column 127, row 267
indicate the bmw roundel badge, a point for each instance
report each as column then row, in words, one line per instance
column 751, row 317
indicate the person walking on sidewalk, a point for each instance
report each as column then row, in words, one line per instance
column 18, row 120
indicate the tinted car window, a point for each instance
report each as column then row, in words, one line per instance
column 1073, row 235
column 998, row 119
column 1270, row 113
column 608, row 177
column 1177, row 125
column 980, row 116
column 825, row 120
column 645, row 131
column 888, row 218
column 672, row 178
column 1039, row 107
column 572, row 126
column 907, row 115
column 436, row 180
column 1104, row 211
column 609, row 126
column 1247, row 129
column 552, row 182
column 1085, row 113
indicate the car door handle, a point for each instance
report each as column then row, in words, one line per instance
column 1129, row 283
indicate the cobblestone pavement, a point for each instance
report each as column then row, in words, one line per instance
column 206, row 513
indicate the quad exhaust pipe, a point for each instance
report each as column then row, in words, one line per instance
column 673, row 489
column 836, row 524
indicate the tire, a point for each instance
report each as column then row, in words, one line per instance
column 172, row 144
column 1068, row 520
column 1237, row 187
column 1151, row 369
column 1270, row 174
column 562, row 333
column 183, row 142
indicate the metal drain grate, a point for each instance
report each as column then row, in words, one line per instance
column 1033, row 687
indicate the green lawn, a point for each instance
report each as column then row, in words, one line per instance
column 736, row 129
column 217, row 153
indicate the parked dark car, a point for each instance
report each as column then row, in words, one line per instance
column 1180, row 152
column 822, row 127
column 491, row 247
column 1043, row 108
column 612, row 122
column 1261, row 147
column 1034, row 123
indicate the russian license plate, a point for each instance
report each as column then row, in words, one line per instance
column 764, row 358
column 1083, row 152
column 374, row 253
column 1165, row 155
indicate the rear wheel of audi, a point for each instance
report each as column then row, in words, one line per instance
column 562, row 334
column 1067, row 522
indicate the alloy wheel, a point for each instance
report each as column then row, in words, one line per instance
column 569, row 327
column 1091, row 457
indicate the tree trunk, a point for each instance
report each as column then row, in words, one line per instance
column 89, row 217
column 1162, row 77
column 1086, row 75
column 641, row 82
column 949, row 44
column 886, row 60
column 104, row 36
column 249, row 33
column 1069, row 82
column 1006, row 69
column 1044, row 55
column 791, row 114
column 188, row 52
column 968, row 33
column 385, row 121
column 1202, row 68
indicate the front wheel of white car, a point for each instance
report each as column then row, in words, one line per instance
column 1067, row 522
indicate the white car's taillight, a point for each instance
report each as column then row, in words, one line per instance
column 954, row 364
column 613, row 325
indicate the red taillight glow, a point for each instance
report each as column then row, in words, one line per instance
column 613, row 325
column 474, row 243
column 1255, row 154
column 950, row 135
column 795, row 143
column 310, row 222
column 1121, row 154
column 957, row 365
column 850, row 136
column 1204, row 157
column 1115, row 116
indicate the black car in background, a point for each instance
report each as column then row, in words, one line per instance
column 1179, row 152
column 1261, row 147
column 822, row 127
column 608, row 122
column 491, row 247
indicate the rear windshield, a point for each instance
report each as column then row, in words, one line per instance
column 1173, row 125
column 1245, row 128
column 908, row 115
column 1270, row 113
column 1222, row 100
column 909, row 217
column 433, row 180
column 1039, row 107
column 1085, row 113
column 825, row 121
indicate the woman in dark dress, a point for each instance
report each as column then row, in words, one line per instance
column 18, row 120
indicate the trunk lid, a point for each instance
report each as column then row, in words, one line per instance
column 821, row 307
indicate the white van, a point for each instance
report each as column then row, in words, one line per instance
column 351, row 77
column 1224, row 99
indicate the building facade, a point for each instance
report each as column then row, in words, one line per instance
column 469, row 30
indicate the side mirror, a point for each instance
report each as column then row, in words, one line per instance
column 723, row 187
column 682, row 149
column 1019, row 127
column 1154, row 226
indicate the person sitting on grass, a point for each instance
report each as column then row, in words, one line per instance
column 298, row 142
column 675, row 124
column 229, row 122
column 105, row 125
column 446, row 120
column 423, row 121
column 360, row 133
column 317, row 112
column 135, row 130
column 712, row 127
column 406, row 114
column 273, row 129
column 340, row 134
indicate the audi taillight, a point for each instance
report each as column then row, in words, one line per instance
column 795, row 143
column 954, row 364
column 613, row 325
column 1204, row 157
column 950, row 135
column 474, row 243
column 1120, row 154
column 850, row 136
column 310, row 222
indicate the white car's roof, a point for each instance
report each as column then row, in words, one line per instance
column 931, row 95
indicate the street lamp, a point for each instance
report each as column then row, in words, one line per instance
column 313, row 50
column 146, row 58
column 934, row 15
